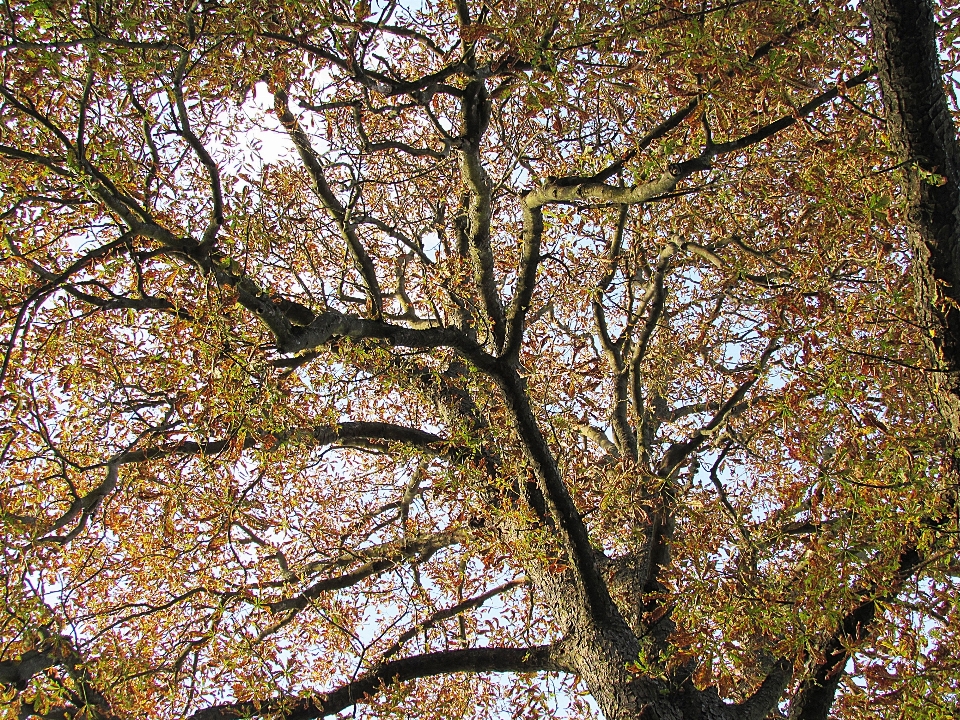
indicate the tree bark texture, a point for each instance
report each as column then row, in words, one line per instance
column 922, row 132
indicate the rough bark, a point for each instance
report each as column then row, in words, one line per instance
column 922, row 132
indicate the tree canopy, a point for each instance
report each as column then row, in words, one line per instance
column 458, row 358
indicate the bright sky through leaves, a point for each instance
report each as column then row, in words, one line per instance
column 457, row 359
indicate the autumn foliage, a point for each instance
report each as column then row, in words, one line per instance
column 466, row 359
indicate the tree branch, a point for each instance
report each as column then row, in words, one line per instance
column 213, row 171
column 661, row 526
column 593, row 192
column 473, row 660
column 334, row 324
column 526, row 280
column 58, row 651
column 588, row 190
column 594, row 594
column 386, row 85
column 767, row 696
column 623, row 432
column 680, row 451
column 447, row 613
column 476, row 116
column 783, row 123
column 815, row 696
column 653, row 298
column 347, row 433
column 312, row 162
column 379, row 559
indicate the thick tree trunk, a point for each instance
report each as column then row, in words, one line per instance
column 922, row 131
column 607, row 661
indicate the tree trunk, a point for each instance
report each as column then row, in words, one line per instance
column 922, row 132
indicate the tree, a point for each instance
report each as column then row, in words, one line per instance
column 567, row 349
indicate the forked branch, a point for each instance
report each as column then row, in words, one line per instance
column 330, row 201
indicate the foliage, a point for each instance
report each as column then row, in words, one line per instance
column 348, row 343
